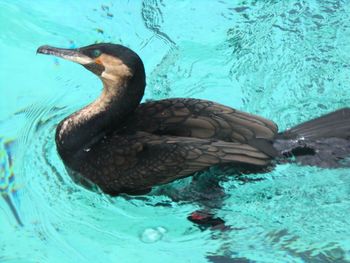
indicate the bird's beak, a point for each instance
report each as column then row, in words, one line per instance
column 69, row 54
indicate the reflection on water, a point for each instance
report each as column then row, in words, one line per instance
column 285, row 60
column 7, row 177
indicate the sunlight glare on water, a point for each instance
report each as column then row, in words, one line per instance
column 285, row 60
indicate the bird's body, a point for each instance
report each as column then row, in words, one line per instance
column 169, row 139
column 126, row 147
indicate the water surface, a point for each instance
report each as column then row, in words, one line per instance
column 285, row 60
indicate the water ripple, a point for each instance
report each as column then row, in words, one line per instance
column 153, row 18
column 277, row 45
column 286, row 60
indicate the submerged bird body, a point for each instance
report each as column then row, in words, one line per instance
column 126, row 147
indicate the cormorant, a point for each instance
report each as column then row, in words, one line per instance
column 127, row 147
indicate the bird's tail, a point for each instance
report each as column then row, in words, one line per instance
column 324, row 141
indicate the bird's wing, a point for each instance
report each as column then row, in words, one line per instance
column 137, row 162
column 200, row 119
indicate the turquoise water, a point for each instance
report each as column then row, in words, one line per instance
column 286, row 60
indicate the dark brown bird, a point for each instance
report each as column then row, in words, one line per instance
column 127, row 147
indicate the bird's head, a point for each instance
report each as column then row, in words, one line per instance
column 113, row 64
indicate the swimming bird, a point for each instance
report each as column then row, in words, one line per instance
column 124, row 146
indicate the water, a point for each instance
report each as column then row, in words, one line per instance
column 285, row 60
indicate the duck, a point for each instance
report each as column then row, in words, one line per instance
column 122, row 145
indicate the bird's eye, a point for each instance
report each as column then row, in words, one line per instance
column 96, row 53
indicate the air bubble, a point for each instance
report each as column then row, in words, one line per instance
column 152, row 235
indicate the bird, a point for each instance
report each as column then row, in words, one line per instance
column 123, row 146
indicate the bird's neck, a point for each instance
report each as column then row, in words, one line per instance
column 84, row 127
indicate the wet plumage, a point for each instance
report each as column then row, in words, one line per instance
column 127, row 147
